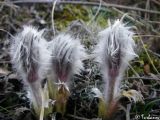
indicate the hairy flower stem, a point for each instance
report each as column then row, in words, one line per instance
column 37, row 95
column 52, row 88
column 108, row 107
column 111, row 91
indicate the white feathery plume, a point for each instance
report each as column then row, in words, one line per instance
column 113, row 52
column 30, row 58
column 67, row 57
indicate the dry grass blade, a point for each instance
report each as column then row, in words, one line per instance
column 92, row 4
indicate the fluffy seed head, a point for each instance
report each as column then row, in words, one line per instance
column 29, row 54
column 114, row 50
column 116, row 46
column 67, row 56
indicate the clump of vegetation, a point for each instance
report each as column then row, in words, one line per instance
column 84, row 99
